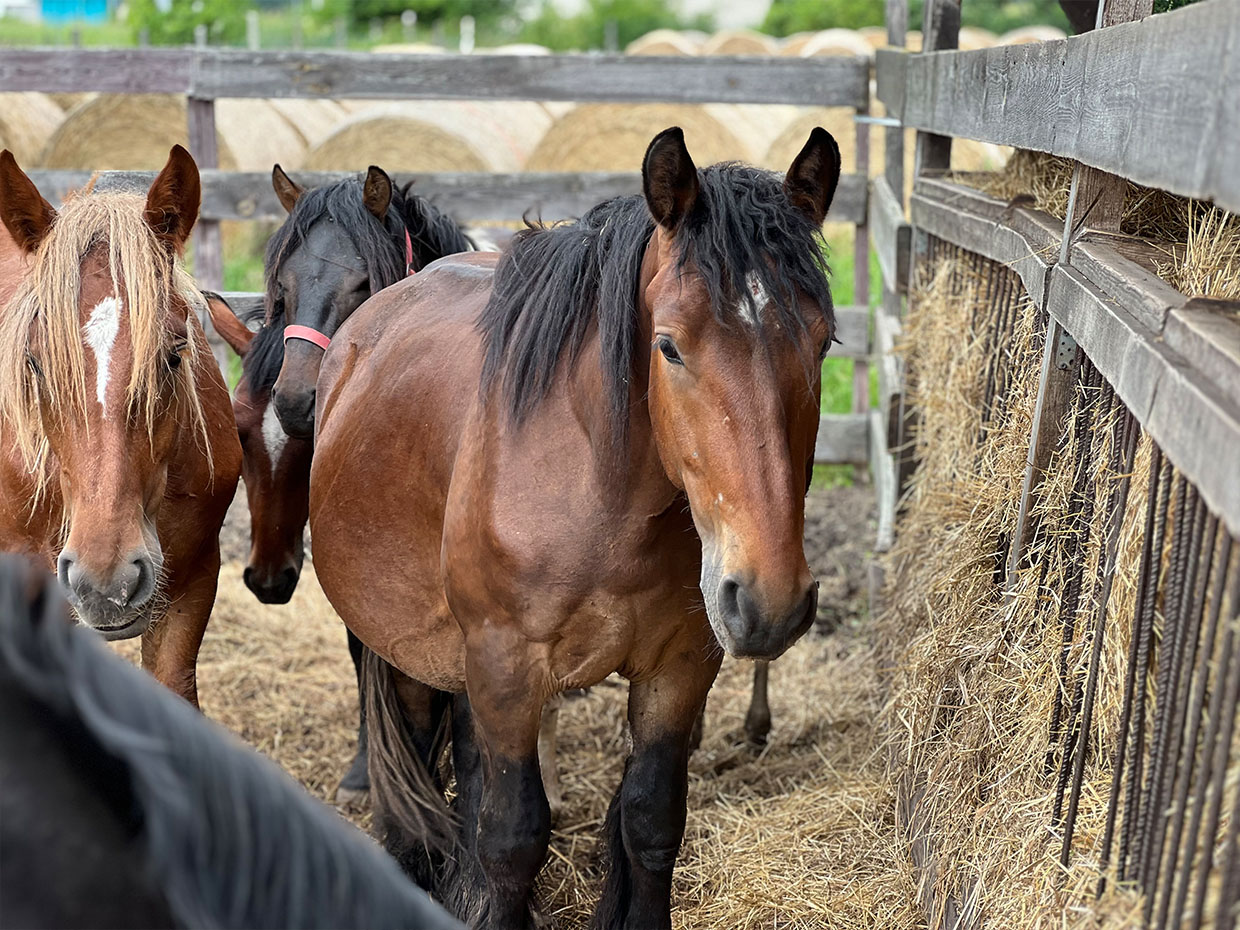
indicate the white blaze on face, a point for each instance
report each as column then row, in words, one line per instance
column 274, row 437
column 100, row 335
column 753, row 302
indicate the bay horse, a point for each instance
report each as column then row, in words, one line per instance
column 120, row 453
column 341, row 243
column 587, row 456
column 124, row 807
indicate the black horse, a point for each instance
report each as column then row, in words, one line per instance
column 122, row 806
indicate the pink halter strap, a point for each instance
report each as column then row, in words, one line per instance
column 323, row 341
column 308, row 334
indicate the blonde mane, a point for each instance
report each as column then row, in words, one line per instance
column 44, row 311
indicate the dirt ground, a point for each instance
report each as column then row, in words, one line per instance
column 799, row 835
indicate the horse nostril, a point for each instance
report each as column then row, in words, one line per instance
column 68, row 573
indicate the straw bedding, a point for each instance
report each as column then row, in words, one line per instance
column 799, row 836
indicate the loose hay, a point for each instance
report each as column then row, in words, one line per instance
column 975, row 676
column 1201, row 242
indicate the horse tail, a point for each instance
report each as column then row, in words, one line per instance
column 412, row 818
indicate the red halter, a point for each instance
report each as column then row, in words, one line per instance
column 320, row 339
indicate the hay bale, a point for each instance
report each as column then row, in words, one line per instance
column 27, row 121
column 313, row 120
column 790, row 46
column 756, row 125
column 664, row 42
column 67, row 102
column 875, row 36
column 1027, row 34
column 515, row 48
column 972, row 38
column 740, row 42
column 837, row 42
column 256, row 135
column 614, row 137
column 434, row 135
column 135, row 132
column 836, row 120
column 407, row 48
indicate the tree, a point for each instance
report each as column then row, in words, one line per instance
column 789, row 16
column 224, row 19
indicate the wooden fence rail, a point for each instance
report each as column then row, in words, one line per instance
column 214, row 73
column 1153, row 101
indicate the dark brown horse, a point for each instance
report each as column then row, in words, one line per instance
column 589, row 456
column 120, row 453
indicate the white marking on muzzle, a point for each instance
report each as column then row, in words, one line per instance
column 100, row 334
column 274, row 437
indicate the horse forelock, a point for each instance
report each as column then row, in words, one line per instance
column 45, row 313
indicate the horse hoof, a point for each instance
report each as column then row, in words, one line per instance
column 351, row 797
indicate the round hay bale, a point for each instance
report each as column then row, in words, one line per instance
column 122, row 131
column 67, row 102
column 664, row 42
column 972, row 38
column 257, row 135
column 756, row 125
column 790, row 46
column 407, row 48
column 837, row 42
column 912, row 41
column 27, row 121
column 515, row 48
column 836, row 120
column 313, row 120
column 135, row 131
column 875, row 36
column 434, row 135
column 614, row 137
column 740, row 42
column 1026, row 34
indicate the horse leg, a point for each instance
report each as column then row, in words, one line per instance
column 514, row 819
column 646, row 821
column 547, row 764
column 356, row 781
column 170, row 646
column 407, row 732
column 758, row 719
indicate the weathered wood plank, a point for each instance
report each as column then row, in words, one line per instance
column 883, row 475
column 835, row 81
column 843, row 439
column 888, row 332
column 1152, row 101
column 1141, row 292
column 890, row 235
column 469, row 197
column 1195, row 423
column 852, row 329
column 108, row 71
column 1206, row 334
column 890, row 68
column 940, row 30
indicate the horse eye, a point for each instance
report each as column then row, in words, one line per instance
column 174, row 357
column 822, row 353
column 668, row 348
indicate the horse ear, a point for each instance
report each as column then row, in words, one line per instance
column 814, row 175
column 26, row 215
column 286, row 188
column 669, row 178
column 377, row 191
column 174, row 198
column 231, row 329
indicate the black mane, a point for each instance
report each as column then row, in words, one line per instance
column 555, row 282
column 228, row 839
column 432, row 233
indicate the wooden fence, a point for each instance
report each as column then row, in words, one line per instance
column 1153, row 101
column 204, row 75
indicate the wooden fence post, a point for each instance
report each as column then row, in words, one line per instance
column 1095, row 200
column 208, row 250
column 861, row 278
column 940, row 30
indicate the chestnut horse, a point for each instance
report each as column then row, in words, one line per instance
column 120, row 453
column 587, row 456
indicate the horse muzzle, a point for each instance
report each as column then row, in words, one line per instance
column 119, row 606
